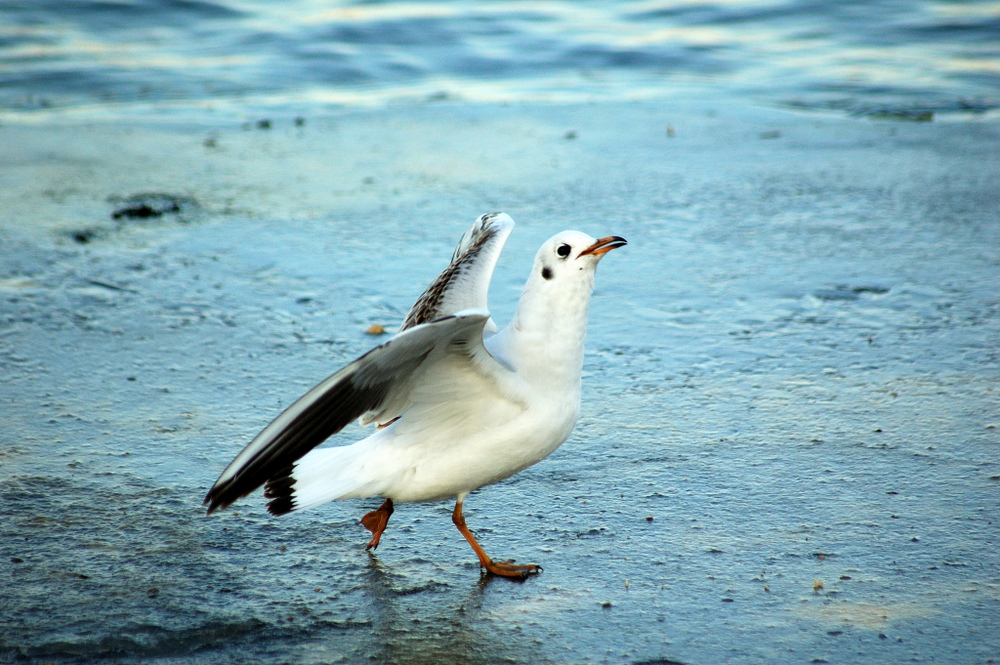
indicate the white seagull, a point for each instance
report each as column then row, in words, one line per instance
column 459, row 404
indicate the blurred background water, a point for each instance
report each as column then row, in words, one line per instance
column 127, row 57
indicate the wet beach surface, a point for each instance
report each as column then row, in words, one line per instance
column 788, row 449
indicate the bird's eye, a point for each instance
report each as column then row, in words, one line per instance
column 563, row 250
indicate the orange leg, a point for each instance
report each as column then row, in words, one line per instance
column 376, row 521
column 506, row 568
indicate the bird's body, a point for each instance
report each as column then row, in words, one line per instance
column 459, row 404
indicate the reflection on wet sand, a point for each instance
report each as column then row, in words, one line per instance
column 435, row 626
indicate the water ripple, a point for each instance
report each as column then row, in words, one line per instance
column 909, row 55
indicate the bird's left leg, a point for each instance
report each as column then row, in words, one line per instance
column 506, row 568
column 376, row 521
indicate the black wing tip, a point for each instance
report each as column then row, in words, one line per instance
column 215, row 501
column 278, row 490
column 223, row 495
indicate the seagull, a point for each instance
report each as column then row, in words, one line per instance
column 458, row 403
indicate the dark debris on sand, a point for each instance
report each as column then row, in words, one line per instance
column 150, row 205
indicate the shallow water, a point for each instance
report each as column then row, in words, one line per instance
column 792, row 369
column 240, row 57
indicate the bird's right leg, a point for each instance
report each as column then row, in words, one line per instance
column 505, row 569
column 376, row 521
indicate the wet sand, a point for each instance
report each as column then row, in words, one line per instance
column 788, row 450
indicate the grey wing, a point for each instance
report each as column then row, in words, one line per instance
column 465, row 283
column 375, row 385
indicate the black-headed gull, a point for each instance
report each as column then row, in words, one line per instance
column 459, row 404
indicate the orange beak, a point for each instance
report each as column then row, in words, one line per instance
column 604, row 245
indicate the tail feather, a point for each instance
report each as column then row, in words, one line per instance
column 322, row 475
column 279, row 489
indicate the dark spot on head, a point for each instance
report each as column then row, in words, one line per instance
column 547, row 272
column 563, row 250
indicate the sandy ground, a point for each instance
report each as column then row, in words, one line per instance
column 789, row 443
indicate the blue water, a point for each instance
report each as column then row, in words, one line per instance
column 907, row 57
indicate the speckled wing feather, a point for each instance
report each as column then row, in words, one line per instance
column 465, row 283
column 375, row 385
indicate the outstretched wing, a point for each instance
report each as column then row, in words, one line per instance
column 376, row 386
column 465, row 283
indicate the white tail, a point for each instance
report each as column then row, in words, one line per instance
column 327, row 474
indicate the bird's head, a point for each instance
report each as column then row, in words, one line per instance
column 571, row 257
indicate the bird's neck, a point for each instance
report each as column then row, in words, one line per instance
column 546, row 336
